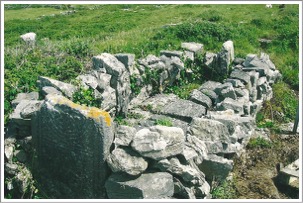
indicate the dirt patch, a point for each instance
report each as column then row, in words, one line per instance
column 255, row 170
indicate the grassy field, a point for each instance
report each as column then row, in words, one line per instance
column 66, row 43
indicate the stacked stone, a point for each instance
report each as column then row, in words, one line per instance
column 82, row 154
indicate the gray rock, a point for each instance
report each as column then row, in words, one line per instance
column 29, row 37
column 20, row 119
column 238, row 61
column 124, row 135
column 199, row 146
column 24, row 111
column 232, row 104
column 189, row 55
column 111, row 64
column 189, row 152
column 120, row 80
column 254, row 77
column 147, row 186
column 9, row 152
column 183, row 191
column 235, row 82
column 226, row 90
column 171, row 53
column 192, row 46
column 211, row 94
column 49, row 90
column 261, row 81
column 289, row 175
column 159, row 142
column 11, row 168
column 28, row 111
column 249, row 58
column 67, row 89
column 183, row 110
column 186, row 172
column 211, row 60
column 149, row 60
column 157, row 102
column 210, row 85
column 200, row 98
column 126, row 160
column 128, row 60
column 215, row 147
column 234, row 121
column 241, row 75
column 72, row 143
column 25, row 96
column 88, row 80
column 209, row 130
column 241, row 92
column 265, row 58
column 224, row 58
column 216, row 166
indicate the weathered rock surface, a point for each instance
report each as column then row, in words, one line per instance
column 124, row 135
column 120, row 79
column 209, row 130
column 49, row 90
column 65, row 88
column 25, row 96
column 200, row 98
column 69, row 139
column 185, row 172
column 157, row 185
column 126, row 160
column 216, row 166
column 183, row 109
column 192, row 46
column 159, row 142
column 29, row 37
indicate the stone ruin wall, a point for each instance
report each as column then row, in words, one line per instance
column 81, row 152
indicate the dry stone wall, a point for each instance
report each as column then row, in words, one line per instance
column 82, row 153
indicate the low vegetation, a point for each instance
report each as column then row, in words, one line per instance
column 66, row 43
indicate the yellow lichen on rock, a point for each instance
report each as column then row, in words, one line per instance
column 91, row 112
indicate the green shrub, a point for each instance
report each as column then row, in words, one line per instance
column 225, row 190
column 258, row 142
column 86, row 97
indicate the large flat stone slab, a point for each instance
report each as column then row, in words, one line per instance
column 72, row 143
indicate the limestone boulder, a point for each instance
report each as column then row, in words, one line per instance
column 71, row 139
column 25, row 96
column 126, row 160
column 29, row 37
column 159, row 142
column 67, row 89
column 124, row 135
column 209, row 130
column 157, row 185
column 200, row 98
column 192, row 46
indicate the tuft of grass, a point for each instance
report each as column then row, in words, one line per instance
column 225, row 190
column 164, row 122
column 258, row 142
column 280, row 109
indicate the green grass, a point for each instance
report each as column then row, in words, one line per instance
column 259, row 142
column 29, row 13
column 164, row 122
column 66, row 43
